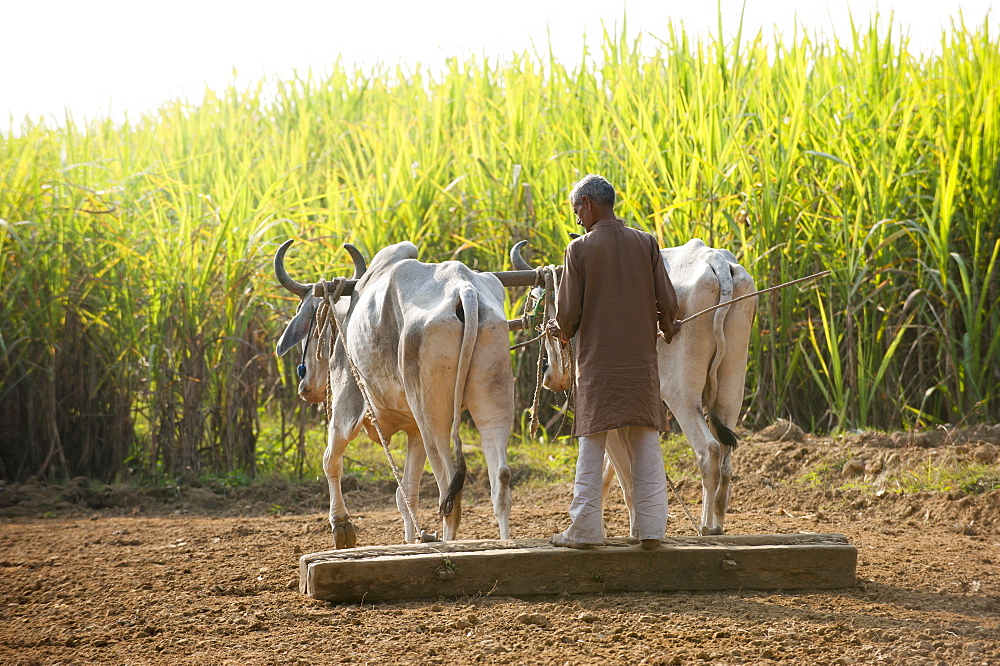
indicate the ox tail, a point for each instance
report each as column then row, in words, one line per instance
column 724, row 274
column 468, row 313
column 725, row 436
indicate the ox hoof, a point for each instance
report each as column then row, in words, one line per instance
column 711, row 531
column 344, row 535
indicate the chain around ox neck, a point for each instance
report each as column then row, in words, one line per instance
column 324, row 312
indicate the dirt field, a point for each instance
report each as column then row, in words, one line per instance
column 128, row 576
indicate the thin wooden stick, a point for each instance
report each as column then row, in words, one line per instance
column 756, row 293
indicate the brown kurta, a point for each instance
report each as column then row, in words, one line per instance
column 613, row 295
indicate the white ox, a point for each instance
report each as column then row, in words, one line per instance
column 429, row 340
column 702, row 372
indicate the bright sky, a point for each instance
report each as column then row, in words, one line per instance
column 110, row 57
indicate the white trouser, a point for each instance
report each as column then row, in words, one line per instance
column 649, row 485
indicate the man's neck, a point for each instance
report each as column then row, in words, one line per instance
column 613, row 218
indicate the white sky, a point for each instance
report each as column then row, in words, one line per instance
column 110, row 57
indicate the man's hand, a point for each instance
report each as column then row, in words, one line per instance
column 552, row 328
column 675, row 328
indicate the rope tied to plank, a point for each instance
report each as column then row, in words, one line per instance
column 677, row 496
column 325, row 312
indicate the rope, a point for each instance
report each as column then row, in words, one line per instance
column 570, row 403
column 548, row 294
column 533, row 423
column 547, row 276
column 755, row 293
column 324, row 312
column 528, row 342
column 537, row 312
column 677, row 496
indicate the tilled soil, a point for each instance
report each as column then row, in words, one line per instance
column 127, row 576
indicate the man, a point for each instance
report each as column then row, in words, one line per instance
column 614, row 294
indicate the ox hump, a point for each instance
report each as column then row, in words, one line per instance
column 393, row 254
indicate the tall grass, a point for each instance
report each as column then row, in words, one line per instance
column 139, row 314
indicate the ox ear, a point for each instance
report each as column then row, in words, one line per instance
column 298, row 327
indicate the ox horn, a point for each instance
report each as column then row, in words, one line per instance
column 516, row 260
column 300, row 289
column 284, row 280
column 523, row 275
column 360, row 265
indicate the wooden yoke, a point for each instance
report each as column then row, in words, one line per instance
column 508, row 279
column 524, row 276
column 521, row 278
column 321, row 287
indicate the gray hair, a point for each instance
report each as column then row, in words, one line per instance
column 596, row 187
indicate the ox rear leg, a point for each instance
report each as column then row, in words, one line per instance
column 727, row 437
column 415, row 458
column 618, row 463
column 710, row 465
column 500, row 494
column 344, row 534
column 494, row 441
column 709, row 456
column 708, row 453
column 608, row 477
column 725, row 479
column 489, row 397
column 451, row 520
column 445, row 474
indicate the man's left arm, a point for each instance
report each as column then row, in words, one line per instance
column 666, row 298
column 569, row 300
